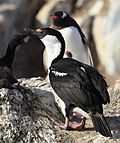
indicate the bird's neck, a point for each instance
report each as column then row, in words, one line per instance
column 60, row 56
column 54, row 53
column 54, row 48
column 61, row 53
column 10, row 54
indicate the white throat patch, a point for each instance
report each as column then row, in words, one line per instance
column 52, row 48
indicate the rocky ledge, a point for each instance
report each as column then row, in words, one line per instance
column 28, row 115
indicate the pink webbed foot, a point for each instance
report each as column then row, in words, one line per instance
column 77, row 125
column 66, row 125
column 72, row 124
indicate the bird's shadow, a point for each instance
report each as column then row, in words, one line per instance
column 114, row 124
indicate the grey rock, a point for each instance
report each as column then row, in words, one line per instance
column 28, row 115
column 106, row 31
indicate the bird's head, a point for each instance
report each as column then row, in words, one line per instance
column 47, row 35
column 60, row 19
column 53, row 41
column 18, row 39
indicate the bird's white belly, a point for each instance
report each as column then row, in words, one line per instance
column 74, row 44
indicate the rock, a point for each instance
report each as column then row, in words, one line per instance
column 28, row 115
column 106, row 32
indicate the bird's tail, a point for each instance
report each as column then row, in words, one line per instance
column 101, row 124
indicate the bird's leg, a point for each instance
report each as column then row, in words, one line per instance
column 65, row 126
column 72, row 121
column 67, row 113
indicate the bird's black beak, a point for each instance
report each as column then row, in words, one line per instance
column 38, row 32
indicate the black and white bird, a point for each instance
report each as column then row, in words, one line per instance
column 77, row 84
column 75, row 40
column 7, row 77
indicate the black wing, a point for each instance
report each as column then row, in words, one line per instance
column 73, row 86
column 97, row 79
column 98, row 82
column 69, row 90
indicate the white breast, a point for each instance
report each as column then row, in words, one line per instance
column 52, row 49
column 74, row 44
